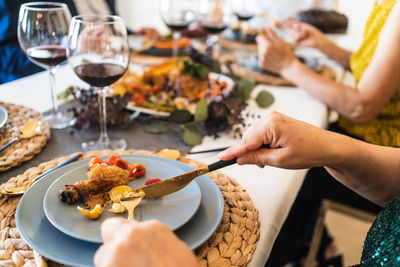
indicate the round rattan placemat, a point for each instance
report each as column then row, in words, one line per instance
column 25, row 149
column 233, row 244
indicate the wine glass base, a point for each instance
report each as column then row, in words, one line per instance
column 60, row 120
column 113, row 144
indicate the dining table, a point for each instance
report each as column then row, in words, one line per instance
column 272, row 190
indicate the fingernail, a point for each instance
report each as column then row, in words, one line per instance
column 221, row 154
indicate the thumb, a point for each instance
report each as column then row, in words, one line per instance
column 272, row 36
column 111, row 228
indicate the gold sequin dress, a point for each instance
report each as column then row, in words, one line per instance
column 385, row 129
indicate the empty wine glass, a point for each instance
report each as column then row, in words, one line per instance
column 42, row 35
column 214, row 16
column 177, row 15
column 98, row 52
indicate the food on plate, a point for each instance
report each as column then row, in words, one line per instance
column 102, row 177
column 92, row 214
column 326, row 21
column 137, row 170
column 168, row 153
column 95, row 192
column 119, row 192
column 152, row 181
column 168, row 43
column 95, row 161
column 175, row 84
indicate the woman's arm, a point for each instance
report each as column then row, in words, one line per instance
column 360, row 104
column 371, row 171
column 309, row 36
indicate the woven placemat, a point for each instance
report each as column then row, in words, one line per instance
column 233, row 244
column 22, row 150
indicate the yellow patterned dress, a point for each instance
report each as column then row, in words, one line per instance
column 385, row 129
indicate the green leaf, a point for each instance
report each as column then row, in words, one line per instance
column 215, row 66
column 66, row 93
column 191, row 136
column 201, row 112
column 180, row 116
column 201, row 71
column 245, row 87
column 156, row 128
column 264, row 99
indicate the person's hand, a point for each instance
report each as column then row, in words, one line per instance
column 306, row 34
column 273, row 53
column 292, row 144
column 94, row 40
column 142, row 244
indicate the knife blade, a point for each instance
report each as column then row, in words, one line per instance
column 176, row 183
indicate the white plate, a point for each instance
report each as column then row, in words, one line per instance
column 173, row 210
column 215, row 76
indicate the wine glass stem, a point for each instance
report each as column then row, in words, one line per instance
column 175, row 39
column 101, row 91
column 52, row 72
column 216, row 47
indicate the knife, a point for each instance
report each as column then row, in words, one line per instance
column 176, row 183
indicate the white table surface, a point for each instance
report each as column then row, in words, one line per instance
column 272, row 190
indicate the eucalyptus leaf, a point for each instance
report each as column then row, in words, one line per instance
column 156, row 128
column 201, row 112
column 191, row 136
column 245, row 87
column 66, row 93
column 180, row 116
column 264, row 99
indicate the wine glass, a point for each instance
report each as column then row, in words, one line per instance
column 98, row 52
column 214, row 16
column 42, row 35
column 177, row 15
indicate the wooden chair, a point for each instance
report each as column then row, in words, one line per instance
column 319, row 226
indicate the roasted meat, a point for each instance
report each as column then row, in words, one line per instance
column 91, row 192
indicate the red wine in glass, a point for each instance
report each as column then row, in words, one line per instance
column 177, row 26
column 244, row 16
column 100, row 74
column 47, row 55
column 214, row 28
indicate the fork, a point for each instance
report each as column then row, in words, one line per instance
column 130, row 203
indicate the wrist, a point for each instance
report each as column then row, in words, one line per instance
column 291, row 69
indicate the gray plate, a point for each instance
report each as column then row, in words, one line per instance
column 66, row 218
column 3, row 116
column 40, row 234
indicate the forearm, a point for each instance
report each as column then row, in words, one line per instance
column 371, row 171
column 337, row 53
column 348, row 101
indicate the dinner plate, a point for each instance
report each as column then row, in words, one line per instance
column 212, row 75
column 41, row 236
column 66, row 218
column 3, row 116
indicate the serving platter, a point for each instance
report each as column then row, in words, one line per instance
column 66, row 218
column 51, row 243
column 212, row 75
column 3, row 116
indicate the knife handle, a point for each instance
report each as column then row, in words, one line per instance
column 221, row 164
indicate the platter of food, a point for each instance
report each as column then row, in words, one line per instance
column 173, row 85
column 78, row 202
column 53, row 244
column 3, row 116
column 160, row 46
